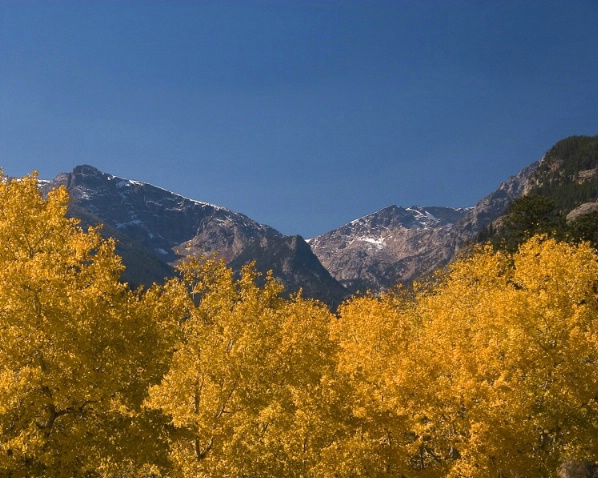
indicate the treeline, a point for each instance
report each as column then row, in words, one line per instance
column 488, row 370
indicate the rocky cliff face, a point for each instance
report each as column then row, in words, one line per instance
column 168, row 227
column 401, row 244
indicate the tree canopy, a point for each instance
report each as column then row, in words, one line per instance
column 488, row 370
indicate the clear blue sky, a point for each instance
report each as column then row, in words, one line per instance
column 301, row 114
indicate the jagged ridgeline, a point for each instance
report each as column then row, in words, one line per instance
column 155, row 228
column 561, row 199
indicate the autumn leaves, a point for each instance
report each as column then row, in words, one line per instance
column 489, row 370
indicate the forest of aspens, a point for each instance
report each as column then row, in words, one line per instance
column 490, row 369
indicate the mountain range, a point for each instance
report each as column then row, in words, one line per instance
column 155, row 228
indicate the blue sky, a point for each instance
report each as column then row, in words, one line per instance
column 301, row 114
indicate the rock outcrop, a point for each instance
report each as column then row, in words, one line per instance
column 582, row 210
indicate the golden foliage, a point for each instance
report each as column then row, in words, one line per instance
column 490, row 371
column 508, row 353
column 73, row 366
column 244, row 388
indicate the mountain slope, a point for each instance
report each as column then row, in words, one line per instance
column 143, row 267
column 150, row 222
column 169, row 224
column 399, row 245
column 388, row 246
column 291, row 257
column 561, row 198
column 568, row 173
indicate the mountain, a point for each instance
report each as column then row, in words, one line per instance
column 399, row 244
column 561, row 197
column 392, row 245
column 292, row 258
column 568, row 173
column 155, row 228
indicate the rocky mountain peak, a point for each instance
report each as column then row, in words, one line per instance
column 395, row 216
column 171, row 226
column 167, row 223
column 399, row 244
column 378, row 250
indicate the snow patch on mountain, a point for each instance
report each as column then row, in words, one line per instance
column 125, row 184
column 377, row 242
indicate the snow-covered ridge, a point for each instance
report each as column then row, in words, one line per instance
column 127, row 183
column 141, row 204
column 414, row 216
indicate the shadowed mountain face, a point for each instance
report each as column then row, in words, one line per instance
column 170, row 225
column 292, row 258
column 158, row 227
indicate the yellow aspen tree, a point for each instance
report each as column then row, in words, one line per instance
column 72, row 368
column 221, row 358
column 247, row 388
column 440, row 373
column 297, row 416
column 509, row 353
column 373, row 333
